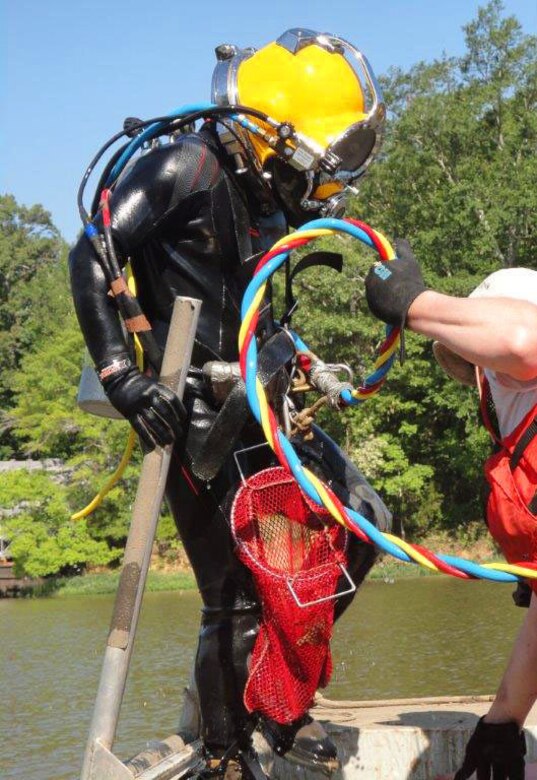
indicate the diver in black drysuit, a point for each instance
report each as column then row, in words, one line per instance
column 190, row 228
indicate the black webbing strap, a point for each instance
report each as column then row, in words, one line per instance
column 329, row 259
column 487, row 406
column 222, row 435
column 532, row 506
column 241, row 217
column 241, row 752
column 521, row 445
column 249, row 761
column 524, row 441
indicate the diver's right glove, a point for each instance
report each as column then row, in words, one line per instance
column 156, row 414
column 392, row 286
column 495, row 751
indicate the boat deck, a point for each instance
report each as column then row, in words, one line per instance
column 402, row 739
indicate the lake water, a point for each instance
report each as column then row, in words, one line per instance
column 415, row 637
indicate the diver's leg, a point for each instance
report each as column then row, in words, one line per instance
column 230, row 614
column 225, row 643
column 190, row 718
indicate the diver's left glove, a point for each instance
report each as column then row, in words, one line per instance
column 495, row 751
column 391, row 287
column 156, row 414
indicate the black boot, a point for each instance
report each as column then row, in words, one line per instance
column 303, row 742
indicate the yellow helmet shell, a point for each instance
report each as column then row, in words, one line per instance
column 319, row 84
column 314, row 89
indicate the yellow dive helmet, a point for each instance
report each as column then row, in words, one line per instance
column 325, row 115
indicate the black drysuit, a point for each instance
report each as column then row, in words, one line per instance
column 191, row 228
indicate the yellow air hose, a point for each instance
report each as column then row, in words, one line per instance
column 131, row 441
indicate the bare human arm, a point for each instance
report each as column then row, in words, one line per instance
column 495, row 333
column 518, row 689
column 497, row 744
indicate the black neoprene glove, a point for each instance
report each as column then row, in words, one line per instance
column 156, row 414
column 495, row 751
column 392, row 286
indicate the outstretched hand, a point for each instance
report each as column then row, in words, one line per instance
column 392, row 286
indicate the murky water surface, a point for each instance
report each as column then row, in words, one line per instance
column 418, row 637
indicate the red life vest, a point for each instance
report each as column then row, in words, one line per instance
column 511, row 473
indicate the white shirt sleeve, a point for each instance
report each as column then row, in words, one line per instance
column 513, row 399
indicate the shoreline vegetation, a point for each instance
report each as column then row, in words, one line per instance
column 105, row 582
column 181, row 578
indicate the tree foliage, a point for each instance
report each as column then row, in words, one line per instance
column 32, row 282
column 43, row 539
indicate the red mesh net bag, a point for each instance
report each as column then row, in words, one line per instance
column 297, row 555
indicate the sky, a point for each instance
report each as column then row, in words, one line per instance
column 71, row 70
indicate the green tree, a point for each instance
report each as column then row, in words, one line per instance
column 33, row 292
column 36, row 519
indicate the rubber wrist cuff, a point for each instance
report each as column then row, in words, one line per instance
column 108, row 369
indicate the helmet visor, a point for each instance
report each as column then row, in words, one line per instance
column 354, row 150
